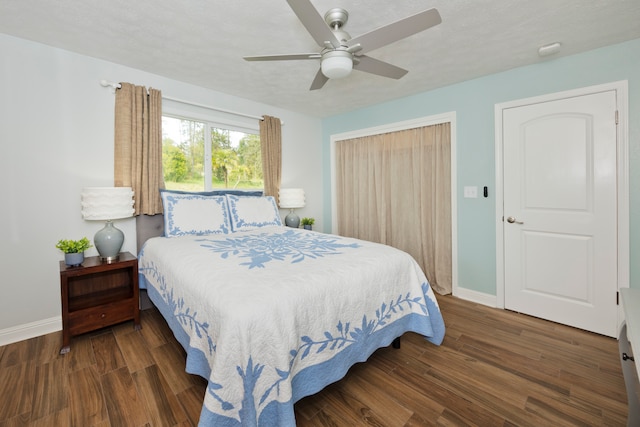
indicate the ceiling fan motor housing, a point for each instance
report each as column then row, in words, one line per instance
column 337, row 62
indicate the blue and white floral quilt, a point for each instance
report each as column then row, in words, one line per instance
column 273, row 315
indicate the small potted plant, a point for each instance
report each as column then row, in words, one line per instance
column 74, row 250
column 307, row 223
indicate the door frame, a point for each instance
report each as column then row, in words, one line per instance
column 621, row 89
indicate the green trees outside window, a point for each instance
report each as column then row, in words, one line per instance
column 199, row 156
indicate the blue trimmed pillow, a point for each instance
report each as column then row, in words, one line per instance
column 194, row 214
column 250, row 212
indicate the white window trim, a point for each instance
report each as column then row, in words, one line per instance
column 211, row 119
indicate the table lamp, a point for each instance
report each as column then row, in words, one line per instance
column 291, row 198
column 107, row 204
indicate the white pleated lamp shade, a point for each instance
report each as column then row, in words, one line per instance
column 291, row 198
column 106, row 203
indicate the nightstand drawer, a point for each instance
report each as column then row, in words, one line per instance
column 88, row 319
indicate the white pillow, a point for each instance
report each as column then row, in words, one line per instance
column 250, row 212
column 194, row 214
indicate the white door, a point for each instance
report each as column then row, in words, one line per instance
column 560, row 211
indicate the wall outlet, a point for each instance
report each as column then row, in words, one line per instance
column 470, row 192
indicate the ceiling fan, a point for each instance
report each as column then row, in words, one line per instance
column 340, row 53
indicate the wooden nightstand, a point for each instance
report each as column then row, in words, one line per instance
column 98, row 294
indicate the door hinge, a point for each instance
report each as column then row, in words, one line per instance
column 617, row 298
column 616, row 116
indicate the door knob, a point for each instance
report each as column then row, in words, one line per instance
column 512, row 220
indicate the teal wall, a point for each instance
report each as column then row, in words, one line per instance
column 474, row 102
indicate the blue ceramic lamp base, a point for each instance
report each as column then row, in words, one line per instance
column 292, row 220
column 108, row 242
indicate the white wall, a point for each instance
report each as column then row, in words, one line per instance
column 56, row 137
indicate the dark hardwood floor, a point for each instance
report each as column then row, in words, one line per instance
column 495, row 368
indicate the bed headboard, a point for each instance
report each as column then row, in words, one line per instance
column 149, row 226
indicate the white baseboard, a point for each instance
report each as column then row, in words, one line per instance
column 46, row 326
column 30, row 330
column 475, row 296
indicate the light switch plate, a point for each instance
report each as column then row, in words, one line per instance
column 470, row 192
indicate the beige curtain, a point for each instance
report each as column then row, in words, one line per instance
column 395, row 189
column 271, row 142
column 138, row 146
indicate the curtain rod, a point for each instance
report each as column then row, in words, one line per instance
column 114, row 86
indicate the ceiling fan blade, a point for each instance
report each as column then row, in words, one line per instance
column 313, row 22
column 319, row 81
column 398, row 30
column 375, row 66
column 291, row 57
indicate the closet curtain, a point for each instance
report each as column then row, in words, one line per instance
column 271, row 151
column 395, row 188
column 138, row 146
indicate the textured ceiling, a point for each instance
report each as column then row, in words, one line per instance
column 203, row 42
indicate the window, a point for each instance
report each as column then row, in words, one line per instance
column 198, row 155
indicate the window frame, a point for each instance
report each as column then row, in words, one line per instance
column 211, row 119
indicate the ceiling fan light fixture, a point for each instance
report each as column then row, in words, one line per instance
column 336, row 64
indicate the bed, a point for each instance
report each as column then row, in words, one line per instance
column 270, row 314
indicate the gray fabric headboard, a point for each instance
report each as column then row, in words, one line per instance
column 148, row 226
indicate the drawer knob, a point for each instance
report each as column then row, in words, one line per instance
column 103, row 315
